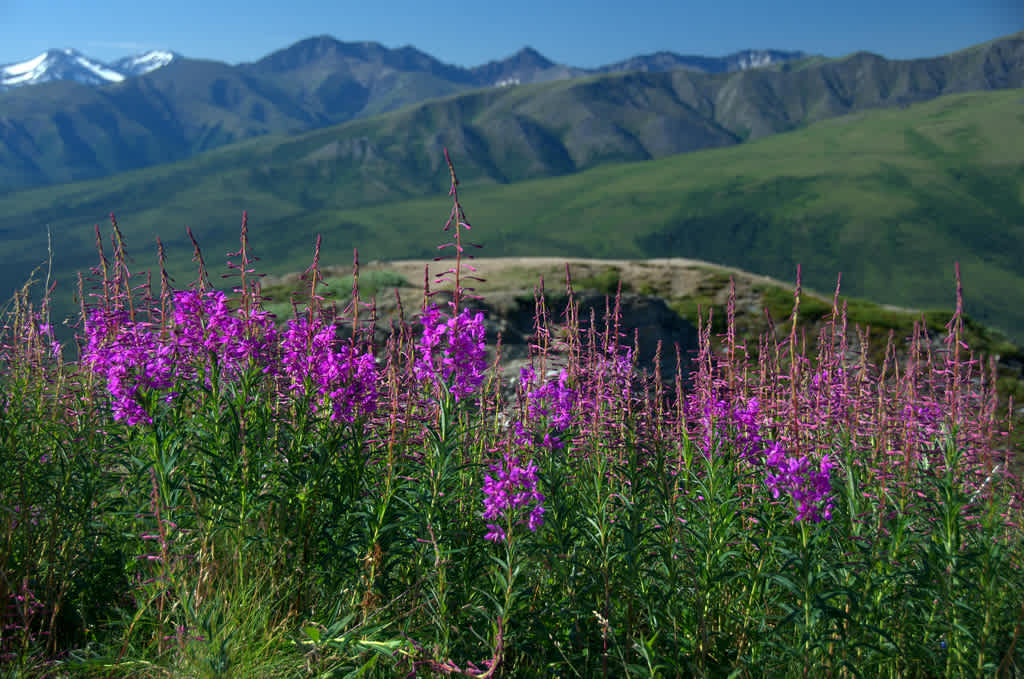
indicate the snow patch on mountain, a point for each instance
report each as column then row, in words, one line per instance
column 747, row 59
column 101, row 71
column 141, row 64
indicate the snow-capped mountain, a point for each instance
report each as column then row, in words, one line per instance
column 70, row 64
column 63, row 64
column 142, row 64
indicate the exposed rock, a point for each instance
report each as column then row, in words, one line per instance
column 512, row 314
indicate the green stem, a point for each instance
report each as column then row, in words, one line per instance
column 805, row 558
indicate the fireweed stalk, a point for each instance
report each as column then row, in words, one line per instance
column 211, row 490
column 451, row 354
column 511, row 499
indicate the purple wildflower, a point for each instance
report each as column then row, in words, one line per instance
column 747, row 434
column 714, row 414
column 349, row 381
column 346, row 379
column 800, row 478
column 304, row 347
column 810, row 488
column 551, row 404
column 452, row 349
column 132, row 358
column 46, row 332
column 204, row 325
column 135, row 356
column 554, row 400
column 508, row 494
column 738, row 426
column 708, row 416
column 613, row 372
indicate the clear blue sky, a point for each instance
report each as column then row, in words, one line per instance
column 575, row 32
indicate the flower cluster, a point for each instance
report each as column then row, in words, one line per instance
column 132, row 357
column 138, row 358
column 509, row 494
column 205, row 326
column 808, row 484
column 551, row 404
column 746, row 429
column 616, row 368
column 346, row 379
column 453, row 350
column 738, row 425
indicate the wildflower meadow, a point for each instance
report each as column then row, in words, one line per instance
column 199, row 489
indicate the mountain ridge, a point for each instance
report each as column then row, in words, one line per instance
column 62, row 133
column 405, row 56
column 56, row 132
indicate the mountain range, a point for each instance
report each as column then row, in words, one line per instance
column 62, row 131
column 525, row 66
column 65, row 116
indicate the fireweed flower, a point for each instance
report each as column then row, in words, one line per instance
column 708, row 417
column 46, row 333
column 736, row 425
column 510, row 493
column 799, row 478
column 452, row 349
column 616, row 368
column 349, row 381
column 552, row 404
column 925, row 424
column 132, row 357
column 138, row 356
column 204, row 325
column 304, row 347
column 346, row 379
column 554, row 400
column 747, row 430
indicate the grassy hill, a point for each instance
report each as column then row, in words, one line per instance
column 890, row 198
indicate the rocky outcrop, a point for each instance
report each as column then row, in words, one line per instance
column 512, row 314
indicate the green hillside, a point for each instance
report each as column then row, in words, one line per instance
column 889, row 197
